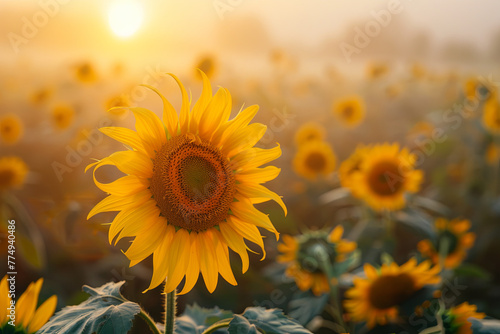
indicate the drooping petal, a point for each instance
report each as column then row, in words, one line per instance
column 258, row 175
column 160, row 263
column 222, row 255
column 248, row 231
column 208, row 259
column 193, row 269
column 259, row 191
column 245, row 211
column 147, row 239
column 235, row 241
column 130, row 221
column 124, row 186
column 178, row 258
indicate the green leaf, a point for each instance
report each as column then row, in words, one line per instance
column 304, row 306
column 471, row 270
column 196, row 319
column 260, row 320
column 106, row 311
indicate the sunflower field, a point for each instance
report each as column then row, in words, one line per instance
column 232, row 166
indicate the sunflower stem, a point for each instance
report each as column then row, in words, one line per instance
column 170, row 311
column 149, row 321
column 219, row 324
column 327, row 267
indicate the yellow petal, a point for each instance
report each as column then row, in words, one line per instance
column 235, row 241
column 243, row 139
column 370, row 271
column 26, row 305
column 255, row 157
column 336, row 234
column 170, row 118
column 124, row 186
column 125, row 136
column 128, row 162
column 150, row 130
column 201, row 104
column 213, row 115
column 236, row 124
column 117, row 203
column 193, row 269
column 178, row 258
column 245, row 211
column 4, row 300
column 259, row 191
column 208, row 260
column 184, row 115
column 247, row 231
column 222, row 255
column 148, row 239
column 160, row 263
column 130, row 221
column 43, row 314
column 258, row 175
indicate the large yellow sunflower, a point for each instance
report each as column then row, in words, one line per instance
column 303, row 267
column 13, row 172
column 455, row 320
column 375, row 299
column 11, row 128
column 190, row 189
column 350, row 110
column 310, row 131
column 458, row 238
column 28, row 318
column 385, row 176
column 314, row 159
column 352, row 164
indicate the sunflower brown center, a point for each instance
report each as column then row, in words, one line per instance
column 385, row 179
column 348, row 111
column 316, row 161
column 192, row 183
column 391, row 290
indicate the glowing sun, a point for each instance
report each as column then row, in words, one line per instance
column 125, row 17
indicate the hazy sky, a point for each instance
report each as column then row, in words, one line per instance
column 81, row 25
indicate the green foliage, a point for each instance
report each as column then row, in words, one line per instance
column 196, row 319
column 106, row 311
column 260, row 320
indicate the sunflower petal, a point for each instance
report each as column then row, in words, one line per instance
column 241, row 120
column 258, row 175
column 124, row 186
column 249, row 232
column 124, row 136
column 255, row 157
column 178, row 259
column 201, row 104
column 160, row 263
column 244, row 210
column 118, row 203
column 184, row 114
column 208, row 259
column 193, row 269
column 170, row 118
column 222, row 254
column 26, row 304
column 213, row 115
column 259, row 191
column 147, row 239
column 150, row 130
column 244, row 139
column 235, row 241
column 43, row 314
column 130, row 221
